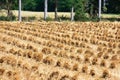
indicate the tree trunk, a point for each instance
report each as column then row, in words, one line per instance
column 19, row 12
column 99, row 15
column 8, row 11
column 56, row 17
column 72, row 13
column 45, row 9
column 91, row 11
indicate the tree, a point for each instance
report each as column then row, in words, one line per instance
column 93, row 8
column 104, row 8
column 8, row 4
column 65, row 5
column 39, row 5
column 29, row 5
column 56, row 9
column 2, row 3
column 113, row 6
column 80, row 10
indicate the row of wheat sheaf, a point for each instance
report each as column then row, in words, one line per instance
column 59, row 51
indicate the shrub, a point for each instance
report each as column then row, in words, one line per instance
column 63, row 18
column 49, row 19
column 5, row 18
column 32, row 18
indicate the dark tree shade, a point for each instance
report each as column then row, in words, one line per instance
column 113, row 6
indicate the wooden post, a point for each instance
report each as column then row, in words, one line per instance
column 19, row 12
column 56, row 10
column 45, row 9
column 72, row 13
column 99, row 15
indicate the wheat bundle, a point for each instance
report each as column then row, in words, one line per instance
column 2, row 71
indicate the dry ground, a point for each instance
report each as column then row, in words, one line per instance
column 59, row 51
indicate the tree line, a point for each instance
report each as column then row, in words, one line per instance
column 80, row 7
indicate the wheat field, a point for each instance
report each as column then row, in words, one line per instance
column 59, row 51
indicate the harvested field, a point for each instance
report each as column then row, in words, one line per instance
column 59, row 51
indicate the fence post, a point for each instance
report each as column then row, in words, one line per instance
column 45, row 9
column 99, row 14
column 72, row 14
column 19, row 12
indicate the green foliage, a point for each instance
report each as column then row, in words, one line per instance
column 81, row 7
column 5, row 4
column 5, row 18
column 24, row 18
column 49, row 19
column 31, row 18
column 13, row 18
column 94, row 19
column 40, row 5
column 104, row 9
column 111, row 19
column 65, row 5
column 8, row 4
column 113, row 6
column 63, row 18
column 29, row 5
column 92, row 8
column 80, row 10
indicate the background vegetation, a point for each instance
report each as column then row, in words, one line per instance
column 84, row 9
